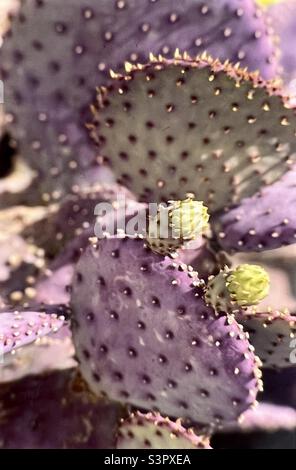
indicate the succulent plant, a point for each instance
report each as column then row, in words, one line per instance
column 271, row 323
column 259, row 222
column 160, row 335
column 141, row 431
column 76, row 44
column 235, row 95
column 49, row 353
column 242, row 287
column 75, row 215
column 271, row 334
column 158, row 342
column 20, row 328
column 183, row 221
column 220, row 109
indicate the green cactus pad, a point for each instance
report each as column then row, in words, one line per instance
column 151, row 431
column 182, row 126
column 273, row 337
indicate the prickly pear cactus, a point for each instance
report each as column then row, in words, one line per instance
column 37, row 358
column 75, row 215
column 77, row 43
column 234, row 289
column 260, row 222
column 160, row 335
column 145, row 336
column 213, row 114
column 151, row 431
column 272, row 335
column 20, row 328
column 185, row 221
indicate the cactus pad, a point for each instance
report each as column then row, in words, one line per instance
column 20, row 328
column 74, row 215
column 151, row 431
column 76, row 44
column 47, row 354
column 144, row 335
column 260, row 222
column 273, row 336
column 193, row 123
column 57, row 412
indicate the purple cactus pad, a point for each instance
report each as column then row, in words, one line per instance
column 144, row 335
column 20, row 328
column 265, row 221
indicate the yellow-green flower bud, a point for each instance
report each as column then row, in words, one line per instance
column 236, row 288
column 248, row 284
column 179, row 222
column 188, row 219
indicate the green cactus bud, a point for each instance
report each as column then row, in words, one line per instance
column 176, row 224
column 242, row 287
column 248, row 284
column 188, row 219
